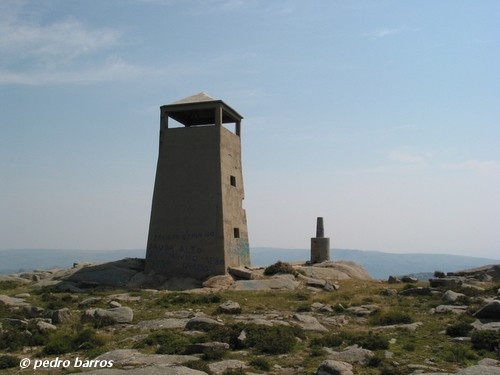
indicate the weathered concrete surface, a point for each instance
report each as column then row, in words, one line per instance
column 198, row 226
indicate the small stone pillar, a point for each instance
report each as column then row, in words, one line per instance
column 320, row 245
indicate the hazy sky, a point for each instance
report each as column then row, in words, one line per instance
column 381, row 116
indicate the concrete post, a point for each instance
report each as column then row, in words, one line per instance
column 320, row 245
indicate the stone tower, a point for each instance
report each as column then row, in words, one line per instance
column 198, row 227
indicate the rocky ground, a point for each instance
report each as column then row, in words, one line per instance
column 328, row 318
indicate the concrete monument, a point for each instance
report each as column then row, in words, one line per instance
column 320, row 245
column 198, row 227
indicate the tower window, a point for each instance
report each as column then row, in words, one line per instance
column 232, row 180
column 236, row 232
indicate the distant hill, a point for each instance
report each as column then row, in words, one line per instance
column 379, row 264
column 13, row 261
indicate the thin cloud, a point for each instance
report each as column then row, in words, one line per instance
column 384, row 32
column 484, row 167
column 111, row 70
column 67, row 40
column 380, row 33
column 403, row 156
column 66, row 51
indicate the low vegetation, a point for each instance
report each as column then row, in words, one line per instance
column 262, row 346
column 279, row 267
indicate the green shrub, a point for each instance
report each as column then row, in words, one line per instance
column 304, row 308
column 167, row 341
column 302, row 296
column 328, row 340
column 375, row 361
column 8, row 284
column 61, row 343
column 368, row 341
column 409, row 347
column 8, row 361
column 214, row 354
column 279, row 267
column 13, row 339
column 87, row 339
column 391, row 317
column 489, row 340
column 227, row 333
column 459, row 329
column 439, row 274
column 317, row 351
column 458, row 354
column 58, row 344
column 260, row 363
column 271, row 340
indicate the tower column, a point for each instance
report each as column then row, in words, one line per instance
column 320, row 245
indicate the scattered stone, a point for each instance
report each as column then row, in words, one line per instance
column 363, row 310
column 393, row 280
column 409, row 279
column 336, row 321
column 388, row 292
column 451, row 297
column 448, row 281
column 124, row 297
column 444, row 309
column 351, row 354
column 469, row 288
column 32, row 311
column 219, row 282
column 242, row 273
column 202, row 324
column 61, row 316
column 44, row 326
column 490, row 311
column 169, row 323
column 12, row 301
column 480, row 370
column 326, row 309
column 89, row 301
column 331, row 367
column 409, row 327
column 230, row 307
column 309, row 323
column 115, row 304
column 133, row 358
column 222, row 366
column 491, row 326
column 113, row 315
column 488, row 362
column 23, row 295
column 331, row 287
